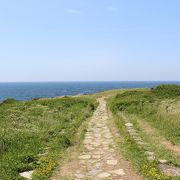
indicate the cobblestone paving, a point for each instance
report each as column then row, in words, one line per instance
column 99, row 159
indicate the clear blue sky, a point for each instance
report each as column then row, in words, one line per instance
column 89, row 40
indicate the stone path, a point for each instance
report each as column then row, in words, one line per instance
column 155, row 134
column 169, row 170
column 99, row 159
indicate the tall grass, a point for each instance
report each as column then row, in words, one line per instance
column 159, row 106
column 33, row 134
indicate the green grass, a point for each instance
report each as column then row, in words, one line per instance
column 159, row 106
column 35, row 134
column 136, row 154
column 154, row 140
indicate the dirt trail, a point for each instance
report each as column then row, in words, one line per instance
column 98, row 159
column 151, row 131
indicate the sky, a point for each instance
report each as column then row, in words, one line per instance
column 89, row 40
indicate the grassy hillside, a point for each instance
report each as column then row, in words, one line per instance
column 34, row 133
column 158, row 107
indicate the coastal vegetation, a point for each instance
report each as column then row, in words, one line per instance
column 159, row 106
column 35, row 134
column 155, row 115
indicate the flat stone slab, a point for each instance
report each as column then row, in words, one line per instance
column 104, row 175
column 98, row 152
column 137, row 139
column 129, row 125
column 27, row 174
column 112, row 162
column 140, row 142
column 88, row 138
column 149, row 153
column 151, row 158
column 131, row 130
column 96, row 156
column 133, row 133
column 163, row 161
column 43, row 154
column 119, row 172
column 84, row 157
column 170, row 170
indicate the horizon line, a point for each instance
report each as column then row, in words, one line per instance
column 89, row 81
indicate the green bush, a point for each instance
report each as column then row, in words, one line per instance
column 167, row 90
column 9, row 101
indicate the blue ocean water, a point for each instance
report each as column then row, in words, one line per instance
column 27, row 91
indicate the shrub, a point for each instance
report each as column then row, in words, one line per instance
column 9, row 101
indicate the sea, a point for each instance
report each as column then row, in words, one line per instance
column 30, row 90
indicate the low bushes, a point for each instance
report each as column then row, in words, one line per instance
column 34, row 134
